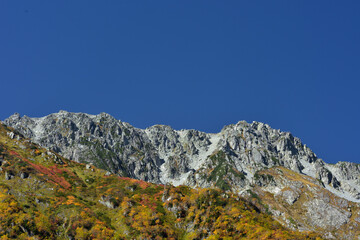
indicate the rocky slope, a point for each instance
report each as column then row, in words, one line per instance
column 45, row 196
column 231, row 160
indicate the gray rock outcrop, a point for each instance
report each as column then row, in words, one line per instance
column 161, row 154
column 231, row 159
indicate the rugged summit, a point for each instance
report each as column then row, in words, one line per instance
column 46, row 196
column 161, row 154
column 243, row 157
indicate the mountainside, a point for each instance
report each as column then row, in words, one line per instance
column 269, row 167
column 45, row 196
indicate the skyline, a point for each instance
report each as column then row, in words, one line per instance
column 191, row 65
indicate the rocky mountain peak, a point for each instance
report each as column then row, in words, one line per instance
column 161, row 154
column 232, row 159
column 15, row 117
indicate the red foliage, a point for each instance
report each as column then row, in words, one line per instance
column 14, row 154
column 52, row 171
column 147, row 202
column 141, row 183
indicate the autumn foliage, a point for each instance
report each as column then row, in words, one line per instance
column 70, row 201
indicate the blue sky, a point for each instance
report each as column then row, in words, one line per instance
column 190, row 64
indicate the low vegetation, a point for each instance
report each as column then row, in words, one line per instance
column 44, row 196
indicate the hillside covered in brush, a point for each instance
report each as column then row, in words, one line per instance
column 270, row 168
column 45, row 196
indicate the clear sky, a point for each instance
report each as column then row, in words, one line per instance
column 190, row 64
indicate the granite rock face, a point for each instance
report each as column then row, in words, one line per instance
column 230, row 159
column 101, row 140
column 161, row 154
column 302, row 203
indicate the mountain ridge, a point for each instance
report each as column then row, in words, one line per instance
column 45, row 196
column 231, row 160
column 35, row 134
